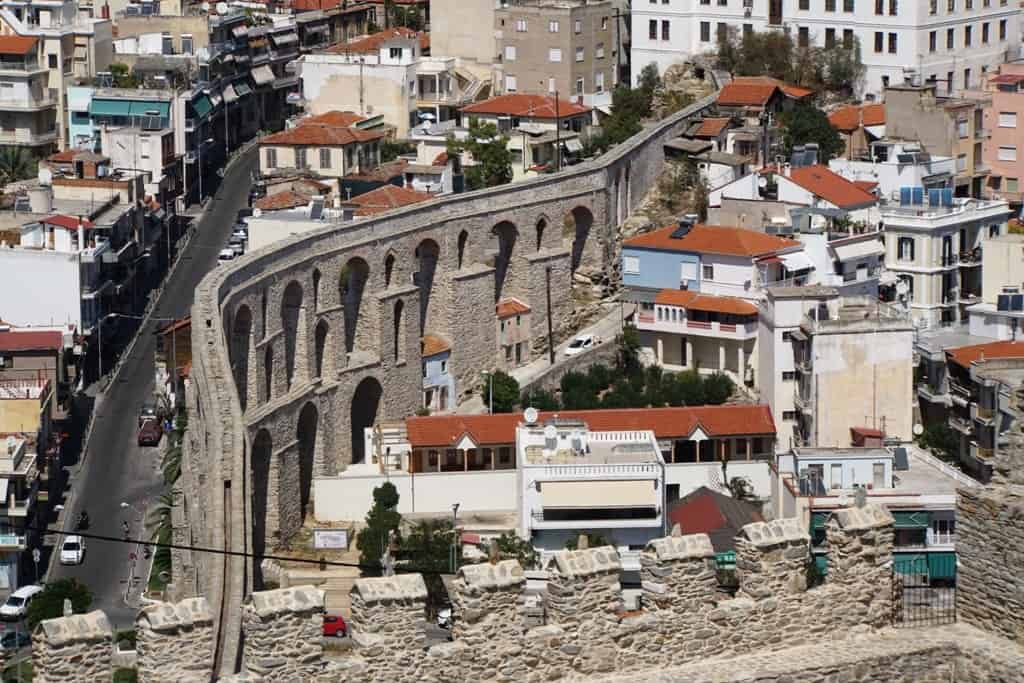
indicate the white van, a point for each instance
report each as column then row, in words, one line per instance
column 17, row 604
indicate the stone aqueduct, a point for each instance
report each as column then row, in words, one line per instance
column 298, row 346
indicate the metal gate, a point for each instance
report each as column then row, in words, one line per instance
column 924, row 590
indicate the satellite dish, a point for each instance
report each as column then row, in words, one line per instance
column 762, row 182
column 222, row 8
column 256, row 213
column 530, row 415
column 205, row 7
column 918, row 429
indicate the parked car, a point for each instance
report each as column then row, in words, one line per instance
column 226, row 254
column 334, row 626
column 580, row 344
column 147, row 412
column 15, row 640
column 150, row 433
column 18, row 602
column 236, row 245
column 72, row 550
column 240, row 233
column 244, row 212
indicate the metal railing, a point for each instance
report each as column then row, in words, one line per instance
column 11, row 540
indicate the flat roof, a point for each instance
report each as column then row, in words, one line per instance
column 937, row 340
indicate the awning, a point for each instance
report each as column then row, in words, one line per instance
column 863, row 249
column 821, row 562
column 284, row 38
column 574, row 145
column 910, row 563
column 262, row 75
column 229, row 94
column 161, row 109
column 768, row 260
column 796, row 261
column 798, row 334
column 242, row 89
column 818, row 520
column 202, row 106
column 942, row 565
column 912, row 520
column 599, row 494
column 109, row 108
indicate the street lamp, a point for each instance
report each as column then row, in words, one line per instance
column 455, row 537
column 490, row 391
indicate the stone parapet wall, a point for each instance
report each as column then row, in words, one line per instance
column 771, row 558
column 175, row 641
column 283, row 633
column 678, row 573
column 74, row 648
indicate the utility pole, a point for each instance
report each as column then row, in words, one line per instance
column 551, row 334
column 618, row 47
column 558, row 136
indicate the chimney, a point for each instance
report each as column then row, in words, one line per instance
column 787, row 169
column 81, row 234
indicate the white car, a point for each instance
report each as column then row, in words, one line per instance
column 72, row 550
column 236, row 245
column 18, row 602
column 241, row 235
column 226, row 254
column 581, row 344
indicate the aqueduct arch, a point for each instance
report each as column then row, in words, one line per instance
column 584, row 250
column 238, row 351
column 291, row 315
column 351, row 286
column 364, row 412
column 260, row 454
column 506, row 235
column 427, row 255
column 307, row 437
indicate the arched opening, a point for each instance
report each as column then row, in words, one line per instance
column 241, row 331
column 507, row 234
column 427, row 254
column 316, row 289
column 463, row 239
column 291, row 308
column 263, row 315
column 582, row 220
column 389, row 268
column 352, row 284
column 320, row 345
column 542, row 224
column 365, row 404
column 399, row 331
column 306, row 434
column 268, row 374
column 262, row 448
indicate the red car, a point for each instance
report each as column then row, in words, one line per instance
column 334, row 626
column 150, row 433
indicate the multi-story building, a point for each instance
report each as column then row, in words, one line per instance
column 438, row 379
column 999, row 313
column 859, row 125
column 933, row 249
column 558, row 46
column 28, row 105
column 464, row 30
column 512, row 319
column 328, row 150
column 34, row 354
column 19, row 488
column 1002, row 150
column 946, row 41
column 889, row 164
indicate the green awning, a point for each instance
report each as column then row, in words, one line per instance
column 242, row 88
column 161, row 109
column 818, row 520
column 942, row 565
column 821, row 562
column 109, row 108
column 726, row 559
column 910, row 563
column 202, row 106
column 912, row 520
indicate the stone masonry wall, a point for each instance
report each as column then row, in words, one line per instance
column 74, row 648
column 283, row 638
column 175, row 641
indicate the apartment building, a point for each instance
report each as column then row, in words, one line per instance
column 512, row 320
column 890, row 164
column 1002, row 150
column 28, row 106
column 951, row 42
column 933, row 249
column 999, row 312
column 564, row 46
column 464, row 30
column 19, row 491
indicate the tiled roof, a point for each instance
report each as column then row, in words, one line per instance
column 66, row 222
column 711, row 128
column 755, row 91
column 339, row 119
column 441, row 159
column 17, row 45
column 372, row 43
column 713, row 239
column 387, row 197
column 1007, row 79
column 30, row 340
column 288, row 199
column 433, row 345
column 848, row 118
column 506, row 308
column 311, row 5
column 522, row 104
column 320, row 135
column 721, row 517
column 667, row 423
column 695, row 301
column 866, row 185
column 830, row 186
column 965, row 355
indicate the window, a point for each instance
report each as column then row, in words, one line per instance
column 933, row 7
column 789, row 415
column 521, row 25
column 803, row 36
column 950, row 6
column 551, row 85
column 961, row 163
column 848, row 38
column 879, row 6
column 905, row 249
column 271, row 158
column 599, row 81
column 167, row 43
column 510, row 53
column 395, row 53
column 599, row 51
column 967, row 78
column 664, row 30
column 604, row 23
column 186, row 44
column 553, row 26
column 300, row 158
column 892, row 43
column 1007, row 153
column 652, row 29
column 579, row 54
column 555, row 54
column 836, row 476
column 1011, row 185
column 510, row 83
column 932, row 39
column 848, row 6
column 705, row 31
column 984, row 33
column 708, row 272
column 879, row 41
column 425, row 370
column 967, row 36
column 788, row 375
column 830, row 38
column 325, row 157
column 949, row 38
column 968, row 4
column 830, row 5
column 993, row 230
column 580, row 84
column 631, row 265
column 1002, row 29
column 805, row 5
column 748, row 30
column 577, row 26
column 519, row 320
column 894, row 8
column 1007, row 119
column 53, row 61
column 444, row 367
column 705, row 2
column 721, row 31
column 962, row 128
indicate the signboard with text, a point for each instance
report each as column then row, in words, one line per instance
column 335, row 539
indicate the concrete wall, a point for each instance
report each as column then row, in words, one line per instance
column 331, row 83
column 660, row 269
column 55, row 293
column 464, row 29
column 1003, row 264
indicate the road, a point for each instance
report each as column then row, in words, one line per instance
column 115, row 469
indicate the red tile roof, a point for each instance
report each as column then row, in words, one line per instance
column 866, row 185
column 433, row 345
column 17, row 45
column 441, row 159
column 506, row 308
column 711, row 128
column 522, row 104
column 851, row 117
column 695, row 301
column 372, row 43
column 755, row 91
column 320, row 135
column 965, row 355
column 65, row 157
column 704, row 511
column 387, row 197
column 830, row 186
column 312, row 5
column 66, row 222
column 713, row 239
column 30, row 340
column 1007, row 79
column 288, row 199
column 667, row 423
column 338, row 119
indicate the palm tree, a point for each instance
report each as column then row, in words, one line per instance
column 16, row 164
column 170, row 464
column 161, row 527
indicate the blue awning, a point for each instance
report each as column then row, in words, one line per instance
column 202, row 106
column 109, row 108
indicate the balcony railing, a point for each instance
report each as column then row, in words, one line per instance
column 970, row 258
column 703, row 327
column 31, row 101
column 960, row 424
column 12, row 541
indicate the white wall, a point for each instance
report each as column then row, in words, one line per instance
column 333, row 82
column 349, row 498
column 854, row 470
column 731, row 273
column 48, row 284
column 691, row 476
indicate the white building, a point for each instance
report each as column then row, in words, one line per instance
column 19, row 487
column 894, row 164
column 1000, row 312
column 951, row 41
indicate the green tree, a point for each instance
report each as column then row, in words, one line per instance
column 427, row 548
column 391, row 149
column 16, row 164
column 766, row 53
column 381, row 520
column 629, row 107
column 717, row 388
column 806, row 123
column 123, row 76
column 941, row 440
column 648, row 84
column 728, row 51
column 843, row 67
column 511, row 547
column 49, row 604
column 161, row 526
column 628, row 340
column 506, row 391
column 490, row 152
column 540, row 399
column 689, row 388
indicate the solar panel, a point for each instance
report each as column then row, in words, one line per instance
column 901, row 463
column 316, row 212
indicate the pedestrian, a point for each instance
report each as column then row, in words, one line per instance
column 125, row 528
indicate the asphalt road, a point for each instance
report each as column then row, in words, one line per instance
column 115, row 468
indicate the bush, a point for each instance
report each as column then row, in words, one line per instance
column 506, row 391
column 539, row 399
column 717, row 389
column 50, row 603
column 381, row 521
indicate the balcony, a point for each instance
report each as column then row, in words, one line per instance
column 22, row 68
column 961, row 394
column 970, row 259
column 801, row 401
column 23, row 138
column 12, row 542
column 286, row 82
column 32, row 101
column 982, row 414
column 700, row 328
column 933, row 395
column 960, row 424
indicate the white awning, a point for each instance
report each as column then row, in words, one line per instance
column 857, row 250
column 284, row 38
column 796, row 261
column 229, row 94
column 574, row 145
column 262, row 75
column 599, row 494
